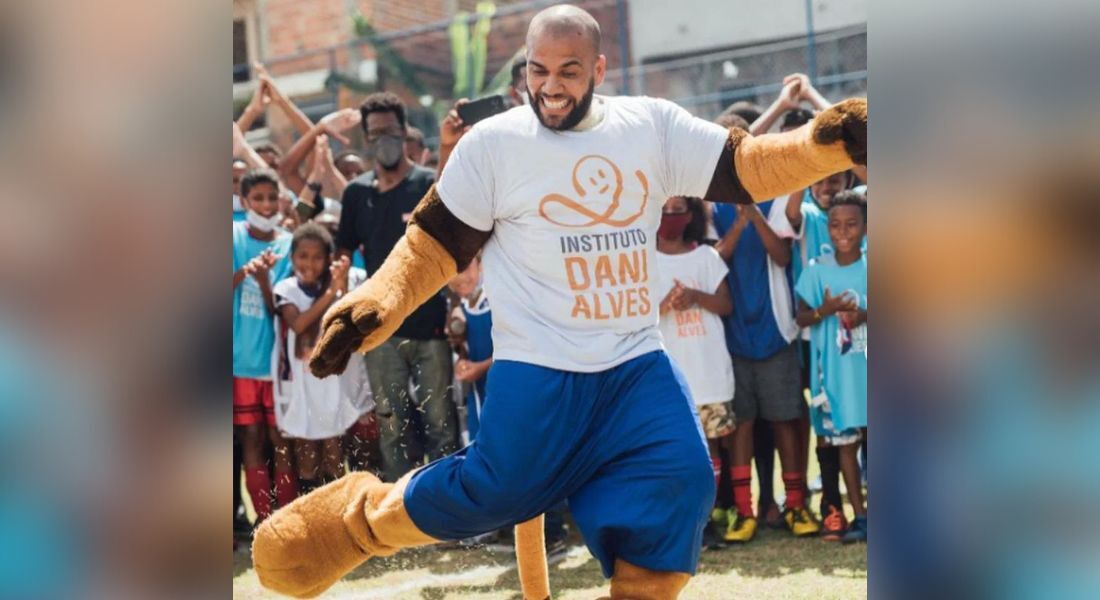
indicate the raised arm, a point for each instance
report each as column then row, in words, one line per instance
column 807, row 92
column 728, row 242
column 243, row 150
column 779, row 249
column 787, row 99
column 437, row 245
column 760, row 168
column 450, row 131
column 297, row 118
column 256, row 107
column 794, row 209
column 332, row 124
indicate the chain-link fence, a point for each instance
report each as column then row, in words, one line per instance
column 707, row 83
column 471, row 55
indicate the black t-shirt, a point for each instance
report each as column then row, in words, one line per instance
column 373, row 221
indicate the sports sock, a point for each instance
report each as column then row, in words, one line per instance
column 725, row 486
column 792, row 482
column 828, row 457
column 258, row 482
column 286, row 487
column 742, row 489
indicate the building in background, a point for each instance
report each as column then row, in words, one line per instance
column 707, row 54
column 703, row 54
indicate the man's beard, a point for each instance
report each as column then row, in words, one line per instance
column 575, row 116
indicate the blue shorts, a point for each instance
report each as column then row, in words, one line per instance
column 623, row 446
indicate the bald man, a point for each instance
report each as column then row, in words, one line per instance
column 563, row 199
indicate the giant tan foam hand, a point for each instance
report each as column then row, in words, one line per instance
column 416, row 269
column 776, row 164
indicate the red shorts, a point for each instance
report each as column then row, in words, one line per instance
column 253, row 402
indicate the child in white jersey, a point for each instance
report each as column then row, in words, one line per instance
column 315, row 412
column 695, row 296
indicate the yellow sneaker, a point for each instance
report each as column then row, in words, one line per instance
column 800, row 521
column 741, row 529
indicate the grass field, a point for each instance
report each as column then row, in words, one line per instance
column 774, row 565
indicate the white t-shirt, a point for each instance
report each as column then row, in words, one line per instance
column 574, row 215
column 307, row 407
column 695, row 338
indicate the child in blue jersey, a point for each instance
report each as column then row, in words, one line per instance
column 260, row 259
column 807, row 211
column 473, row 368
column 832, row 293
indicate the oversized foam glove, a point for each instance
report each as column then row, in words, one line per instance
column 773, row 165
column 308, row 545
column 414, row 271
column 435, row 247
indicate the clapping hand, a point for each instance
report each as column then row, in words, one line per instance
column 261, row 265
column 746, row 213
column 790, row 97
column 261, row 97
column 682, row 297
column 339, row 271
column 835, row 304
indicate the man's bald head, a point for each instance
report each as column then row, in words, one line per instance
column 564, row 65
column 565, row 21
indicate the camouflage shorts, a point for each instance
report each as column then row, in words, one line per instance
column 717, row 419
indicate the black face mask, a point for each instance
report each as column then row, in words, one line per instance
column 575, row 116
column 387, row 151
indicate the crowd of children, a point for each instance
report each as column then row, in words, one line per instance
column 763, row 308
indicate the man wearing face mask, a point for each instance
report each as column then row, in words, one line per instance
column 377, row 206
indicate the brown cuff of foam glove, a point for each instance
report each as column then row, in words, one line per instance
column 415, row 270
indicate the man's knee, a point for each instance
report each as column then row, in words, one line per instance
column 631, row 582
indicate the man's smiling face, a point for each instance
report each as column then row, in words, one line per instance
column 563, row 70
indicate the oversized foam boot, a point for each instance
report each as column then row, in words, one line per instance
column 308, row 545
column 631, row 582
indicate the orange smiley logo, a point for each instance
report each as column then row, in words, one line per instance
column 598, row 177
